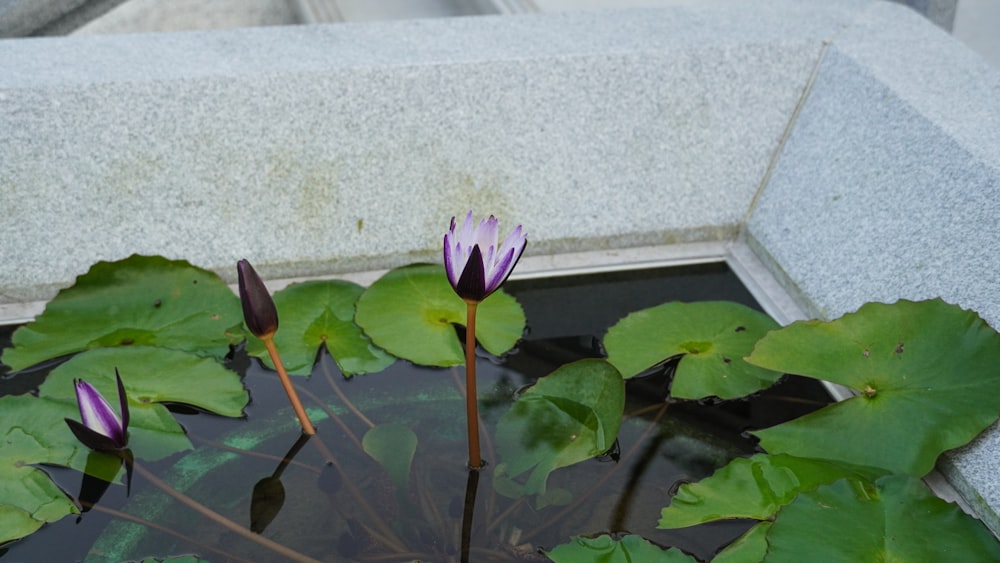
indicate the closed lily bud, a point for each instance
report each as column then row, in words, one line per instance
column 101, row 429
column 259, row 312
column 476, row 265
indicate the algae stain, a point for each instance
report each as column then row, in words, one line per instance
column 459, row 192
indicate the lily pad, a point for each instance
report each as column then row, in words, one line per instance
column 410, row 312
column 605, row 549
column 755, row 487
column 925, row 372
column 139, row 301
column 751, row 547
column 321, row 313
column 393, row 446
column 32, row 432
column 568, row 416
column 895, row 519
column 710, row 337
column 151, row 376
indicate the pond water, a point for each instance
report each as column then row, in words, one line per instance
column 340, row 505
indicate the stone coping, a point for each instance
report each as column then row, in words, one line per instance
column 850, row 147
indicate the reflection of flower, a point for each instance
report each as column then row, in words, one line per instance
column 101, row 429
column 476, row 266
column 259, row 311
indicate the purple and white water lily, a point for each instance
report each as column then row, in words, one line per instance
column 102, row 429
column 476, row 265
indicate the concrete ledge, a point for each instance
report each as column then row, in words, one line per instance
column 320, row 149
column 889, row 187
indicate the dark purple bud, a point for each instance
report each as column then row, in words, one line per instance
column 259, row 311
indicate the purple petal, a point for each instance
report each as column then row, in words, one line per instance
column 259, row 311
column 90, row 438
column 500, row 272
column 123, row 405
column 468, row 231
column 450, row 259
column 472, row 284
column 97, row 415
column 508, row 256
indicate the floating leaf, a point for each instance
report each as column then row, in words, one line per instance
column 751, row 547
column 140, row 301
column 754, row 487
column 151, row 376
column 605, row 549
column 393, row 446
column 895, row 519
column 410, row 312
column 32, row 432
column 927, row 376
column 711, row 337
column 568, row 416
column 321, row 313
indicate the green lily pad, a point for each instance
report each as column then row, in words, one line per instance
column 755, row 487
column 895, row 519
column 751, row 547
column 605, row 549
column 711, row 337
column 409, row 312
column 32, row 432
column 139, row 301
column 150, row 376
column 570, row 415
column 393, row 446
column 926, row 373
column 321, row 313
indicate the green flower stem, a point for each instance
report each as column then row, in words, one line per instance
column 286, row 382
column 471, row 397
column 274, row 546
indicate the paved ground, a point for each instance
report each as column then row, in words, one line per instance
column 977, row 22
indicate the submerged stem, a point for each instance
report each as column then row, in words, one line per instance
column 471, row 397
column 471, row 488
column 388, row 536
column 347, row 402
column 163, row 529
column 222, row 520
column 333, row 416
column 286, row 382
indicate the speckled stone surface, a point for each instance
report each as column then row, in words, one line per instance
column 320, row 149
column 889, row 187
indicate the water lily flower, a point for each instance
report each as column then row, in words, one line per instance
column 102, row 429
column 475, row 264
column 259, row 311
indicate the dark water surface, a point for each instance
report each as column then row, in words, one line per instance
column 661, row 445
